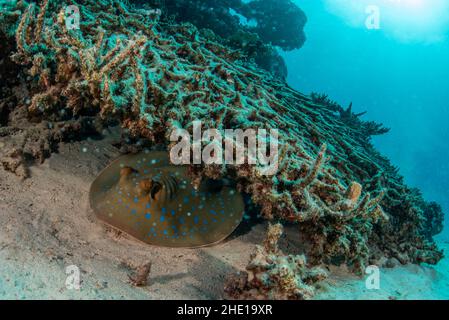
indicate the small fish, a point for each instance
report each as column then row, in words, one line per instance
column 152, row 200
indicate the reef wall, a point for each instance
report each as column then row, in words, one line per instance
column 350, row 204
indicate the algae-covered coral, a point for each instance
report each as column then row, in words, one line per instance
column 350, row 204
column 273, row 275
column 254, row 27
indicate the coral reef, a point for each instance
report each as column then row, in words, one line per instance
column 279, row 22
column 23, row 142
column 367, row 128
column 349, row 202
column 433, row 224
column 255, row 28
column 273, row 275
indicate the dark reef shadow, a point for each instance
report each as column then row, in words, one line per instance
column 164, row 279
column 291, row 241
column 211, row 274
column 251, row 219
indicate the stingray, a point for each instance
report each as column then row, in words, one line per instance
column 153, row 201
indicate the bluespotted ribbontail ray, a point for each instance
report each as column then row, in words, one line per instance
column 152, row 200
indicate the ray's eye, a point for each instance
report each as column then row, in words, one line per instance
column 145, row 186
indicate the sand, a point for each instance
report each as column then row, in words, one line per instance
column 410, row 282
column 46, row 225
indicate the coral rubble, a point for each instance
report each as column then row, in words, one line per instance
column 273, row 275
column 140, row 276
column 156, row 76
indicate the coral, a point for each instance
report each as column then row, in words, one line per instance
column 323, row 99
column 279, row 22
column 273, row 275
column 367, row 128
column 265, row 56
column 23, row 142
column 14, row 161
column 433, row 224
column 140, row 276
column 156, row 76
column 254, row 28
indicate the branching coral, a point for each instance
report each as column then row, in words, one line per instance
column 276, row 22
column 367, row 128
column 273, row 275
column 155, row 77
column 279, row 22
column 254, row 27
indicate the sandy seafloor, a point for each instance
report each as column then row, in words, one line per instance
column 46, row 225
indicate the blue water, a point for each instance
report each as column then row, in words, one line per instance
column 398, row 73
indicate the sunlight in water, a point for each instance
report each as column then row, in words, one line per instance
column 413, row 3
column 406, row 20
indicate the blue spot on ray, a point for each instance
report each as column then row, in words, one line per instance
column 194, row 213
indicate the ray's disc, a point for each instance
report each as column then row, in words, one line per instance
column 154, row 201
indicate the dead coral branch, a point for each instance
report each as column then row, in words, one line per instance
column 273, row 275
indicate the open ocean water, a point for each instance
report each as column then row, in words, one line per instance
column 398, row 73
